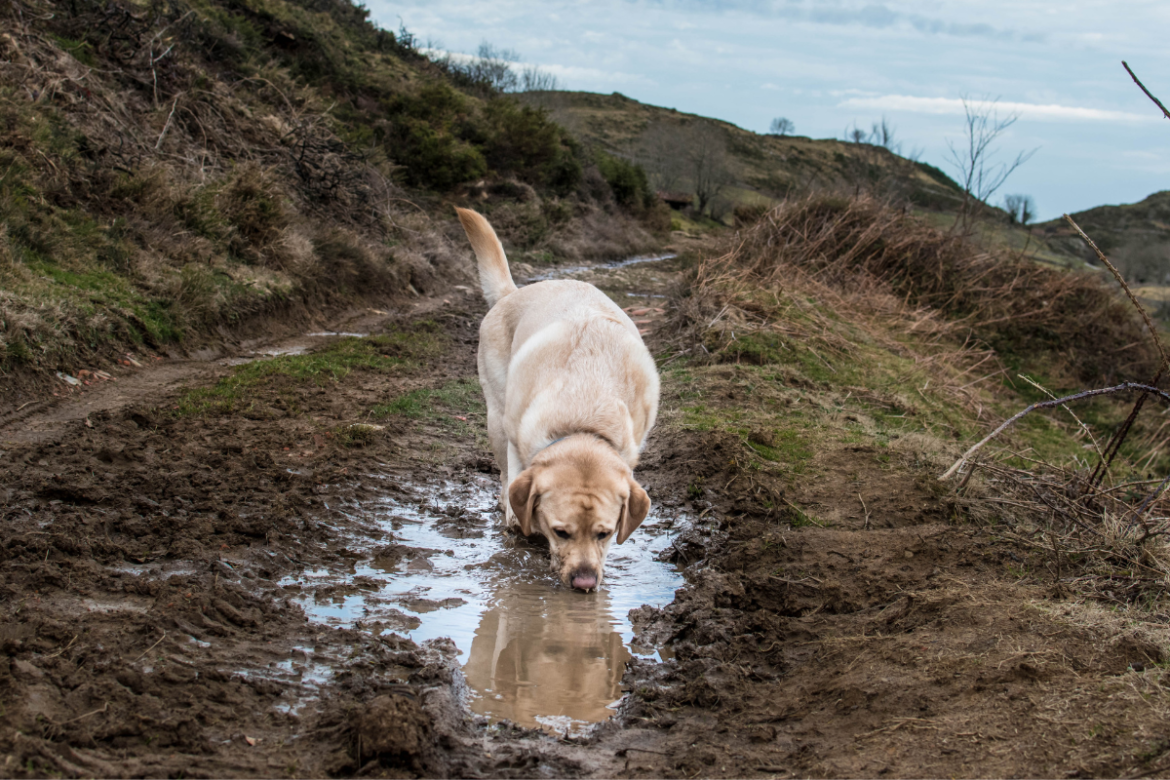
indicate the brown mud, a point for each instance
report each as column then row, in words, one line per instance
column 156, row 608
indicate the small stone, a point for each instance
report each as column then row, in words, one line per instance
column 908, row 554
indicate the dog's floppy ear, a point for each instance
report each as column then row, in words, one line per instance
column 634, row 512
column 523, row 499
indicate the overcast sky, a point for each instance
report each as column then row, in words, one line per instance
column 831, row 63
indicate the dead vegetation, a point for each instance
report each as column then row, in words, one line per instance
column 1103, row 521
column 871, row 259
column 838, row 283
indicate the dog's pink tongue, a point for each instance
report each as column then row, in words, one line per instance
column 584, row 582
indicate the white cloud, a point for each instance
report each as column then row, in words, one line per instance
column 573, row 76
column 1040, row 111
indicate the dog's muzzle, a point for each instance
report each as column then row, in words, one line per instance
column 584, row 579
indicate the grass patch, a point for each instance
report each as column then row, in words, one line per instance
column 800, row 519
column 392, row 352
column 444, row 405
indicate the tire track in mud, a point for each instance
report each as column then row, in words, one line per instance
column 151, row 608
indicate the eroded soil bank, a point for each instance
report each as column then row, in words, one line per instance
column 172, row 559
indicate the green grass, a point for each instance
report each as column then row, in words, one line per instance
column 443, row 405
column 788, row 447
column 100, row 254
column 393, row 352
column 801, row 519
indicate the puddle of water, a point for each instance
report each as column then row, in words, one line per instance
column 128, row 604
column 534, row 652
column 289, row 349
column 564, row 271
column 302, row 676
column 162, row 570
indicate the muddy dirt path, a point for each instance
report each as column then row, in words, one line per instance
column 305, row 576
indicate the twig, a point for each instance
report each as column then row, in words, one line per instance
column 866, row 509
column 66, row 647
column 1084, row 427
column 1115, row 443
column 1048, row 405
column 86, row 715
column 1121, row 280
column 154, row 74
column 1133, row 76
column 147, row 650
column 1157, row 492
column 167, row 126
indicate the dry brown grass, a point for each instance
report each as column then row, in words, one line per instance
column 870, row 259
column 836, row 277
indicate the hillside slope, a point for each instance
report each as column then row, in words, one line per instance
column 768, row 165
column 1135, row 236
column 172, row 169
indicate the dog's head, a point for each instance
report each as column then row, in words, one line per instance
column 581, row 496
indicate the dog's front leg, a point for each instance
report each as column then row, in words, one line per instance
column 515, row 466
column 499, row 440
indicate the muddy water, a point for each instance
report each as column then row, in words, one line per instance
column 533, row 652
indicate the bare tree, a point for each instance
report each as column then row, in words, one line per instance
column 1021, row 209
column 883, row 134
column 707, row 155
column 781, row 126
column 534, row 79
column 490, row 67
column 662, row 151
column 980, row 174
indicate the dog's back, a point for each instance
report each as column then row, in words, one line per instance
column 570, row 360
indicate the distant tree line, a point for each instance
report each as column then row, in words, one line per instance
column 495, row 69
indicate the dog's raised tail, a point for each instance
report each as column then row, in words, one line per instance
column 494, row 276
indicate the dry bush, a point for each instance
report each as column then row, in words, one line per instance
column 1109, row 541
column 866, row 254
column 595, row 233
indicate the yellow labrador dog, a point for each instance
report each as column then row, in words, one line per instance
column 572, row 393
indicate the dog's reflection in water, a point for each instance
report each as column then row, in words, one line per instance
column 546, row 657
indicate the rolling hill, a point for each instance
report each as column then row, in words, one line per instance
column 1135, row 236
column 760, row 166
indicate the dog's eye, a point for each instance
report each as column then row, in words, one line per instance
column 602, row 534
column 562, row 534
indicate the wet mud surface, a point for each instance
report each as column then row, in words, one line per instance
column 249, row 595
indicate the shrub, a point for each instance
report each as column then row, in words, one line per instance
column 627, row 180
column 423, row 137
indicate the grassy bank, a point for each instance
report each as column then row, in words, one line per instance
column 171, row 170
column 849, row 349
